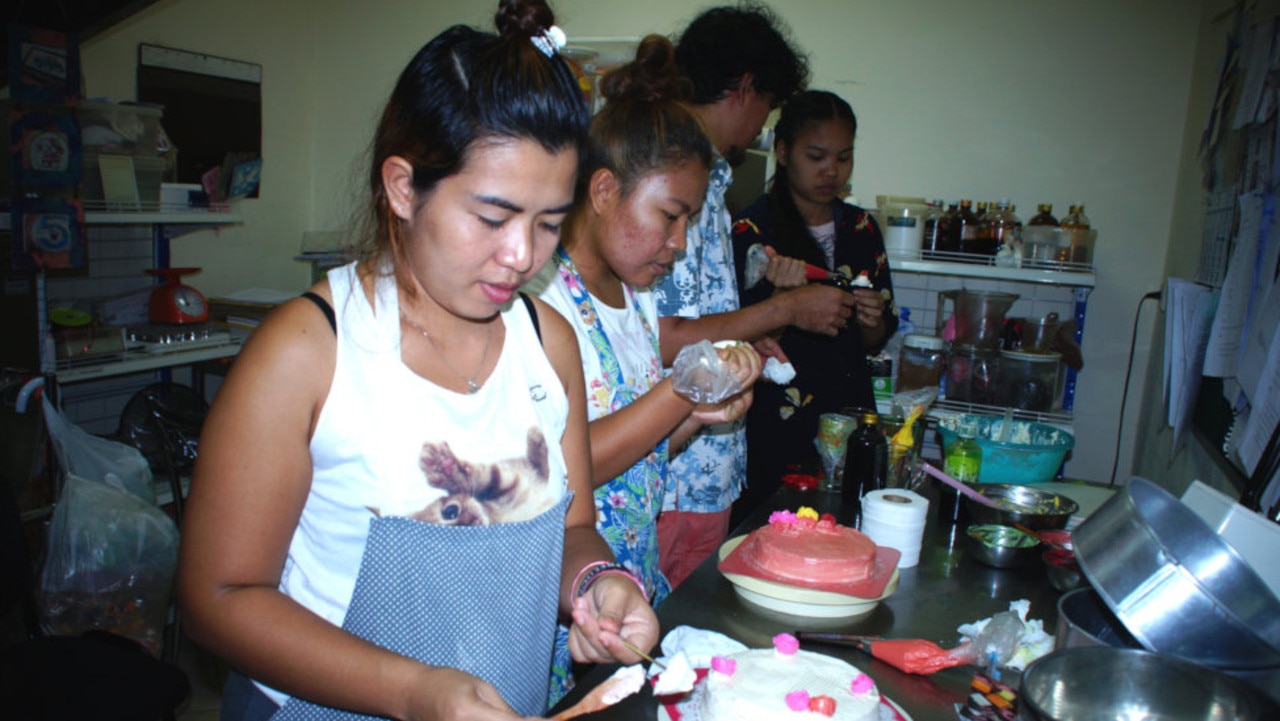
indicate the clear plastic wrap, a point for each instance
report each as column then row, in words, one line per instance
column 700, row 375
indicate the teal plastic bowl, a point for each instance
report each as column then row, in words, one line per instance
column 1033, row 453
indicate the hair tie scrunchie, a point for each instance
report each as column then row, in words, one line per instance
column 550, row 41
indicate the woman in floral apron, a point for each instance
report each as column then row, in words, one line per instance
column 646, row 174
column 392, row 505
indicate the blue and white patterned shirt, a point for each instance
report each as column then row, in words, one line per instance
column 707, row 476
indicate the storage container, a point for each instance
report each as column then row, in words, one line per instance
column 1049, row 246
column 147, row 172
column 920, row 363
column 117, row 129
column 1028, row 381
column 901, row 222
column 971, row 373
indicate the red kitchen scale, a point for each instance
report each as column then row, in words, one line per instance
column 174, row 302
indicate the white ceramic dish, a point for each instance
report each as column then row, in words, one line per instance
column 797, row 600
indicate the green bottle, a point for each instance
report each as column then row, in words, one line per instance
column 962, row 458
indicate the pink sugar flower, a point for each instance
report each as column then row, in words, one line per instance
column 786, row 644
column 726, row 666
column 862, row 683
column 786, row 517
column 798, row 700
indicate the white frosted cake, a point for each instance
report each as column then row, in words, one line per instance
column 768, row 684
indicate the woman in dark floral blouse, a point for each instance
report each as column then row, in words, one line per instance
column 802, row 217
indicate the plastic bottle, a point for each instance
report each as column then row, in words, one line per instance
column 963, row 456
column 1044, row 215
column 1075, row 218
column 1076, row 224
column 962, row 459
column 964, row 230
column 866, row 463
column 939, row 239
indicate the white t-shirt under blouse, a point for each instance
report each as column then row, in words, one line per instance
column 641, row 367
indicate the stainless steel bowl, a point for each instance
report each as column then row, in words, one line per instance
column 1000, row 546
column 1175, row 584
column 1023, row 505
column 1062, row 569
column 1085, row 620
column 1101, row 682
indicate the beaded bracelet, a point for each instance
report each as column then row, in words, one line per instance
column 596, row 569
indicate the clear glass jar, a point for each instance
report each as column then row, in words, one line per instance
column 921, row 362
column 971, row 373
column 1029, row 381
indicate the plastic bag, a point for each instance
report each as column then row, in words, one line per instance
column 110, row 564
column 1007, row 639
column 98, row 459
column 700, row 375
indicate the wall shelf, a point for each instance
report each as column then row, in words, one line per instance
column 166, row 223
column 961, row 265
column 136, row 361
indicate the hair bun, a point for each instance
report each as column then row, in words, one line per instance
column 523, row 18
column 653, row 76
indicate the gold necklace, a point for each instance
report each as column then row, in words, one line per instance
column 472, row 385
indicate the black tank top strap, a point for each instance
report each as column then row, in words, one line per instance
column 533, row 315
column 325, row 308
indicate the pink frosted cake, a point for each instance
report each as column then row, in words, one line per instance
column 786, row 684
column 804, row 548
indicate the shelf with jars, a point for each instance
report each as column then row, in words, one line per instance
column 986, row 375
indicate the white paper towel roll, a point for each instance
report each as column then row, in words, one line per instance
column 895, row 518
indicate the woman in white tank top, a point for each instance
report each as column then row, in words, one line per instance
column 392, row 505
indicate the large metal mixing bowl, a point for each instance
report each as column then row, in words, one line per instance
column 1177, row 586
column 1100, row 682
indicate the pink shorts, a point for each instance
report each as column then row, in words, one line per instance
column 685, row 539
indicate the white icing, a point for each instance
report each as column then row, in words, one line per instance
column 677, row 677
column 758, row 688
column 624, row 682
column 778, row 372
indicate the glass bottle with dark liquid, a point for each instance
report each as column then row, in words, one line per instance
column 866, row 465
column 964, row 230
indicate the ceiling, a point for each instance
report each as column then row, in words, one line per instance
column 85, row 18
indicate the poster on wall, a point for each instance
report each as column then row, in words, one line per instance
column 44, row 65
column 44, row 149
column 47, row 234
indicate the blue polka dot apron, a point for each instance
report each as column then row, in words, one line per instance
column 482, row 599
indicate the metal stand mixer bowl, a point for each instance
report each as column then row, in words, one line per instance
column 978, row 315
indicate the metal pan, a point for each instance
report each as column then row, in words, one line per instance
column 1177, row 586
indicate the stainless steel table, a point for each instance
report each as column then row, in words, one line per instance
column 945, row 590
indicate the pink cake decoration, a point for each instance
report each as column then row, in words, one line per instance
column 786, row 644
column 862, row 683
column 723, row 665
column 798, row 700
